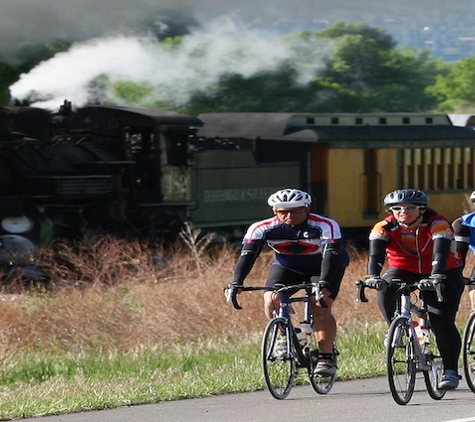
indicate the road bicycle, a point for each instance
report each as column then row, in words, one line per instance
column 468, row 347
column 408, row 346
column 282, row 368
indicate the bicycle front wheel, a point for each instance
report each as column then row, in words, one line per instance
column 468, row 351
column 400, row 362
column 434, row 374
column 279, row 365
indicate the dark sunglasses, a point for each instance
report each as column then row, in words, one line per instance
column 285, row 212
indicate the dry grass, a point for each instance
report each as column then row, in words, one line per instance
column 111, row 295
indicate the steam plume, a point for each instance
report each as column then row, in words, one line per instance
column 172, row 73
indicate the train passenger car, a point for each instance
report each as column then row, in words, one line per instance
column 350, row 161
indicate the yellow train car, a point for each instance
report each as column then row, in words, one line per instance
column 350, row 161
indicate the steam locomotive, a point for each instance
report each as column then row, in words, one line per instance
column 145, row 172
column 130, row 171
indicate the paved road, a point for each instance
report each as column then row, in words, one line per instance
column 359, row 400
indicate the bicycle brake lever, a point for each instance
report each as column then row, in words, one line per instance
column 231, row 296
column 438, row 290
column 360, row 295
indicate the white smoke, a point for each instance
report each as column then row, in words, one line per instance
column 171, row 72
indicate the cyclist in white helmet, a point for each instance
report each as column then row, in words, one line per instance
column 304, row 243
column 464, row 229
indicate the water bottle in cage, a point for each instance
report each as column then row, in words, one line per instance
column 425, row 337
column 419, row 334
column 304, row 333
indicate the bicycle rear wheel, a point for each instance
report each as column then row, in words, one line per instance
column 320, row 383
column 433, row 376
column 468, row 351
column 279, row 368
column 400, row 362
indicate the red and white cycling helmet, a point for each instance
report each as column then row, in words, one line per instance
column 289, row 198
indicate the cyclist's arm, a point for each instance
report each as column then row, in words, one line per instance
column 330, row 263
column 376, row 256
column 249, row 254
column 440, row 254
column 462, row 238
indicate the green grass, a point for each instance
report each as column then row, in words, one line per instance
column 50, row 384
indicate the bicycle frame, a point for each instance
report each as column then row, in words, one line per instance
column 285, row 304
column 406, row 306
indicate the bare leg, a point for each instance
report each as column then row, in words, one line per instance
column 271, row 303
column 324, row 326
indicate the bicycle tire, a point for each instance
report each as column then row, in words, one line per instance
column 320, row 383
column 433, row 376
column 279, row 370
column 468, row 351
column 401, row 366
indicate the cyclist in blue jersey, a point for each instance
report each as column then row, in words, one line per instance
column 464, row 230
column 304, row 243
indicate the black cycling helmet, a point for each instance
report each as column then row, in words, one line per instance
column 289, row 198
column 406, row 196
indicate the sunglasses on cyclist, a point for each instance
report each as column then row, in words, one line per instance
column 406, row 208
column 294, row 211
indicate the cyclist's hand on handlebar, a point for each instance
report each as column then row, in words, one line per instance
column 324, row 288
column 376, row 282
column 231, row 290
column 431, row 283
column 235, row 286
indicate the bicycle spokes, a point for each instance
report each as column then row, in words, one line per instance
column 277, row 360
column 400, row 361
column 468, row 352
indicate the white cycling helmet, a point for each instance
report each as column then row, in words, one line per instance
column 289, row 198
column 472, row 196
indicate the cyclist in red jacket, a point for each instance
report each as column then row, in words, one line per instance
column 419, row 244
column 304, row 243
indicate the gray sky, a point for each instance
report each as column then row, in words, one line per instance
column 36, row 21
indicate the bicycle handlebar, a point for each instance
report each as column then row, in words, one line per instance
column 231, row 292
column 232, row 289
column 422, row 285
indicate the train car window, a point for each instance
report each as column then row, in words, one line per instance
column 138, row 141
column 471, row 122
column 382, row 120
column 372, row 185
column 437, row 168
column 310, row 120
column 358, row 121
column 406, row 120
column 177, row 141
column 335, row 120
column 429, row 120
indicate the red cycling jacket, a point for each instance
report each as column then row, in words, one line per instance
column 411, row 249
